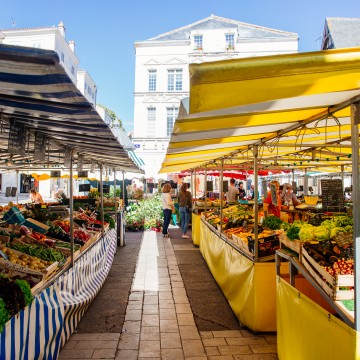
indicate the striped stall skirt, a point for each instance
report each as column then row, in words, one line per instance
column 41, row 329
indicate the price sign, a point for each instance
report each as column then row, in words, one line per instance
column 332, row 194
column 274, row 198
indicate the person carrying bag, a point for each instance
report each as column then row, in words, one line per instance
column 185, row 207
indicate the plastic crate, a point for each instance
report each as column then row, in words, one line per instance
column 14, row 216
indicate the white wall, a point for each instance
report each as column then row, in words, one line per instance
column 163, row 55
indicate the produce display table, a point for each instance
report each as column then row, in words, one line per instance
column 59, row 307
column 248, row 286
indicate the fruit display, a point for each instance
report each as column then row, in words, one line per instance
column 25, row 260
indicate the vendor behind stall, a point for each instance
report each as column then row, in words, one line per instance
column 232, row 192
column 289, row 199
column 35, row 197
column 272, row 203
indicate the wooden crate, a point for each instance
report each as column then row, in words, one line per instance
column 95, row 236
column 330, row 284
column 294, row 245
column 242, row 245
column 44, row 274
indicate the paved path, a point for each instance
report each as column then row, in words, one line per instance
column 159, row 321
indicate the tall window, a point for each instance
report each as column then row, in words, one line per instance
column 175, row 80
column 172, row 114
column 198, row 42
column 151, row 121
column 230, row 41
column 152, row 80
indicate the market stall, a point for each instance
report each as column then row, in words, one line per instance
column 293, row 112
column 46, row 124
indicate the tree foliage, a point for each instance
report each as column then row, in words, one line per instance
column 113, row 116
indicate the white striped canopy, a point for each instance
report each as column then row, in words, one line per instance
column 37, row 94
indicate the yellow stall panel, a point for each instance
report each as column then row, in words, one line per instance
column 195, row 226
column 249, row 287
column 305, row 331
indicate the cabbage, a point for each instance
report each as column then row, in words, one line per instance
column 299, row 223
column 306, row 232
column 329, row 224
column 336, row 230
column 322, row 233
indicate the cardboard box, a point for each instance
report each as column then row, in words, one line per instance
column 36, row 225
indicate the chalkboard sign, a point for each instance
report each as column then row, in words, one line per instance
column 209, row 186
column 225, row 185
column 55, row 174
column 83, row 174
column 274, row 198
column 106, row 188
column 264, row 188
column 8, row 192
column 332, row 194
column 84, row 187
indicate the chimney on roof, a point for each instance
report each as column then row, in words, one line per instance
column 72, row 45
column 61, row 27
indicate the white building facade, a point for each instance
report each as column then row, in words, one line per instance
column 162, row 80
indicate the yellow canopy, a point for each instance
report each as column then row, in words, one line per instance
column 237, row 103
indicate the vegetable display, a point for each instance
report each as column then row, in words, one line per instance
column 272, row 222
column 48, row 254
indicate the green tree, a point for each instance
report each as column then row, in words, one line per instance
column 114, row 117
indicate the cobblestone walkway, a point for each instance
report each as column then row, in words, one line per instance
column 159, row 322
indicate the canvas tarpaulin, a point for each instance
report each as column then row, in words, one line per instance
column 289, row 100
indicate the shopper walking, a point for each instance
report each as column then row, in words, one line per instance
column 167, row 205
column 232, row 192
column 185, row 207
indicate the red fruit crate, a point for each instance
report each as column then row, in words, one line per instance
column 330, row 284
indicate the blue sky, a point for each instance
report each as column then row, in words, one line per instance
column 105, row 31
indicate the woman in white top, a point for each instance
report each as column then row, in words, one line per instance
column 167, row 205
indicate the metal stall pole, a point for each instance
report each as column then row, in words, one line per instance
column 122, row 241
column 191, row 184
column 342, row 177
column 17, row 186
column 306, row 188
column 71, row 205
column 355, row 121
column 205, row 188
column 221, row 192
column 256, row 203
column 115, row 206
column 195, row 185
column 102, row 201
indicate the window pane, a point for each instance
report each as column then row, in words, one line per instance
column 152, row 80
column 198, row 39
column 171, row 74
column 172, row 114
column 229, row 38
column 151, row 123
column 178, row 80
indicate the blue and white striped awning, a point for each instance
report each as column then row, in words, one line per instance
column 37, row 94
column 137, row 160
